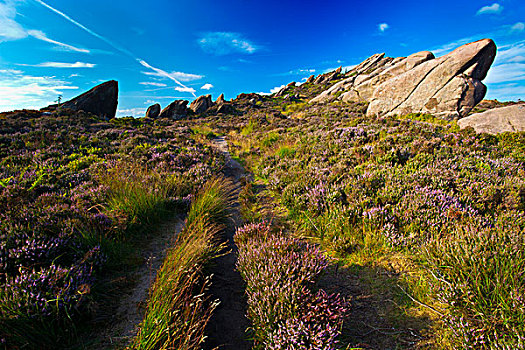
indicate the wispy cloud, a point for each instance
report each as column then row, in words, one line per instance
column 185, row 89
column 117, row 47
column 61, row 65
column 207, row 86
column 162, row 73
column 507, row 92
column 181, row 76
column 383, row 27
column 131, row 112
column 149, row 83
column 505, row 73
column 19, row 90
column 37, row 34
column 224, row 43
column 446, row 48
column 9, row 28
column 300, row 71
column 492, row 9
column 518, row 27
column 506, row 77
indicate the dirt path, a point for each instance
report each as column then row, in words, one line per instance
column 227, row 327
column 124, row 322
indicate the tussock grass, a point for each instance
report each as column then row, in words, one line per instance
column 178, row 308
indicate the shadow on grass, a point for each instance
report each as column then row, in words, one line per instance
column 382, row 315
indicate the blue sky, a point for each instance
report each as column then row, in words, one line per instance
column 163, row 50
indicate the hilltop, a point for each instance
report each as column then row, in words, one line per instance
column 375, row 208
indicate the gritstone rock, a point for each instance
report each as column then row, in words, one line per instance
column 497, row 120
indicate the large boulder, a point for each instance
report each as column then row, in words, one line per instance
column 176, row 110
column 102, row 100
column 201, row 104
column 363, row 79
column 497, row 120
column 153, row 111
column 447, row 87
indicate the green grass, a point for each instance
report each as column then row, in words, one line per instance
column 178, row 308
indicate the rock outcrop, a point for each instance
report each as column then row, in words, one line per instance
column 102, row 100
column 447, row 87
column 328, row 77
column 220, row 100
column 201, row 104
column 153, row 111
column 497, row 120
column 366, row 77
column 176, row 110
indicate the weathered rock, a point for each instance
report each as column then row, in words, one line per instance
column 497, row 120
column 220, row 100
column 153, row 111
column 311, row 79
column 328, row 77
column 247, row 98
column 363, row 79
column 447, row 87
column 176, row 110
column 201, row 104
column 102, row 100
column 281, row 91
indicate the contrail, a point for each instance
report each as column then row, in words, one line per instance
column 115, row 46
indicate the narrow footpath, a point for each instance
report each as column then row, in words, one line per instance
column 227, row 327
column 121, row 322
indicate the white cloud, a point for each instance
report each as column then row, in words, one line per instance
column 444, row 49
column 37, row 34
column 207, row 86
column 518, row 27
column 149, row 83
column 506, row 72
column 300, row 71
column 506, row 92
column 134, row 112
column 25, row 91
column 223, row 43
column 506, row 77
column 61, row 65
column 181, row 76
column 507, row 53
column 382, row 27
column 9, row 28
column 12, row 30
column 277, row 88
column 185, row 89
column 492, row 9
column 112, row 44
column 10, row 71
column 517, row 59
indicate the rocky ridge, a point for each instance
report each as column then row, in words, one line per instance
column 447, row 87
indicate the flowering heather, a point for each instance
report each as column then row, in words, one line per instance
column 413, row 183
column 73, row 186
column 278, row 271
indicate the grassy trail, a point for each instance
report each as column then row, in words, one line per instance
column 227, row 326
column 130, row 311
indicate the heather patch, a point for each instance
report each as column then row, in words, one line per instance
column 280, row 272
column 74, row 191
